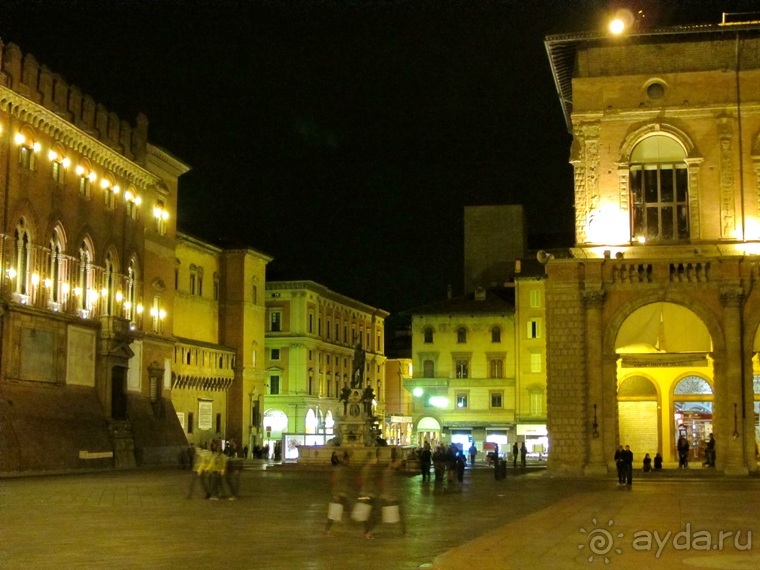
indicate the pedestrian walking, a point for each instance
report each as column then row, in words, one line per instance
column 515, row 454
column 365, row 509
column 523, row 455
column 201, row 464
column 473, row 452
column 339, row 490
column 390, row 496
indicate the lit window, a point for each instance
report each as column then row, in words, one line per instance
column 535, row 362
column 161, row 215
column 462, row 368
column 536, row 402
column 275, row 321
column 462, row 398
column 27, row 152
column 659, row 191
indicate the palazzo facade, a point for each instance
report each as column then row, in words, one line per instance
column 652, row 320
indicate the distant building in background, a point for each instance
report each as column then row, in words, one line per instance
column 652, row 324
column 399, row 421
column 311, row 338
column 494, row 237
column 218, row 378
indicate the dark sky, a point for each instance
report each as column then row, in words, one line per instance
column 342, row 138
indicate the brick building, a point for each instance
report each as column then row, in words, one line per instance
column 652, row 320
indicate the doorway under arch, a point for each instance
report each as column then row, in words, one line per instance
column 658, row 346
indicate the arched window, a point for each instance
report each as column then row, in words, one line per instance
column 109, row 283
column 461, row 335
column 23, row 257
column 55, row 267
column 130, row 303
column 659, row 191
column 85, row 286
column 428, row 334
column 496, row 334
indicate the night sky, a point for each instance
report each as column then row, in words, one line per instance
column 342, row 138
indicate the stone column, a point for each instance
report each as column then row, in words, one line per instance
column 593, row 301
column 729, row 425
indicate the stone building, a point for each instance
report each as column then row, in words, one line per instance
column 88, row 239
column 652, row 320
column 218, row 367
column 122, row 339
column 311, row 339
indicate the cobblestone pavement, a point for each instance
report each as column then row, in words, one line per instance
column 142, row 519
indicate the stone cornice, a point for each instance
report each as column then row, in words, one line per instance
column 73, row 137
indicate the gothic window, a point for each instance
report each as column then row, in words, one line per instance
column 659, row 191
column 23, row 257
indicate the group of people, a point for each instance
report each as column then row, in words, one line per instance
column 214, row 467
column 448, row 462
column 376, row 490
column 624, row 459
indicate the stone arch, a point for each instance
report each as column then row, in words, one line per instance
column 635, row 136
column 704, row 313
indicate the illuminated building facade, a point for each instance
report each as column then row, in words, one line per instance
column 652, row 320
column 311, row 336
column 88, row 239
column 218, row 367
column 464, row 369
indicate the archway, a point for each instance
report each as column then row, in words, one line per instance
column 693, row 414
column 658, row 345
column 428, row 429
column 638, row 402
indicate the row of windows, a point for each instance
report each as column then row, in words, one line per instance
column 47, row 277
column 275, row 325
column 203, row 357
column 495, row 367
column 332, row 387
column 533, row 331
column 86, row 177
column 496, row 401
